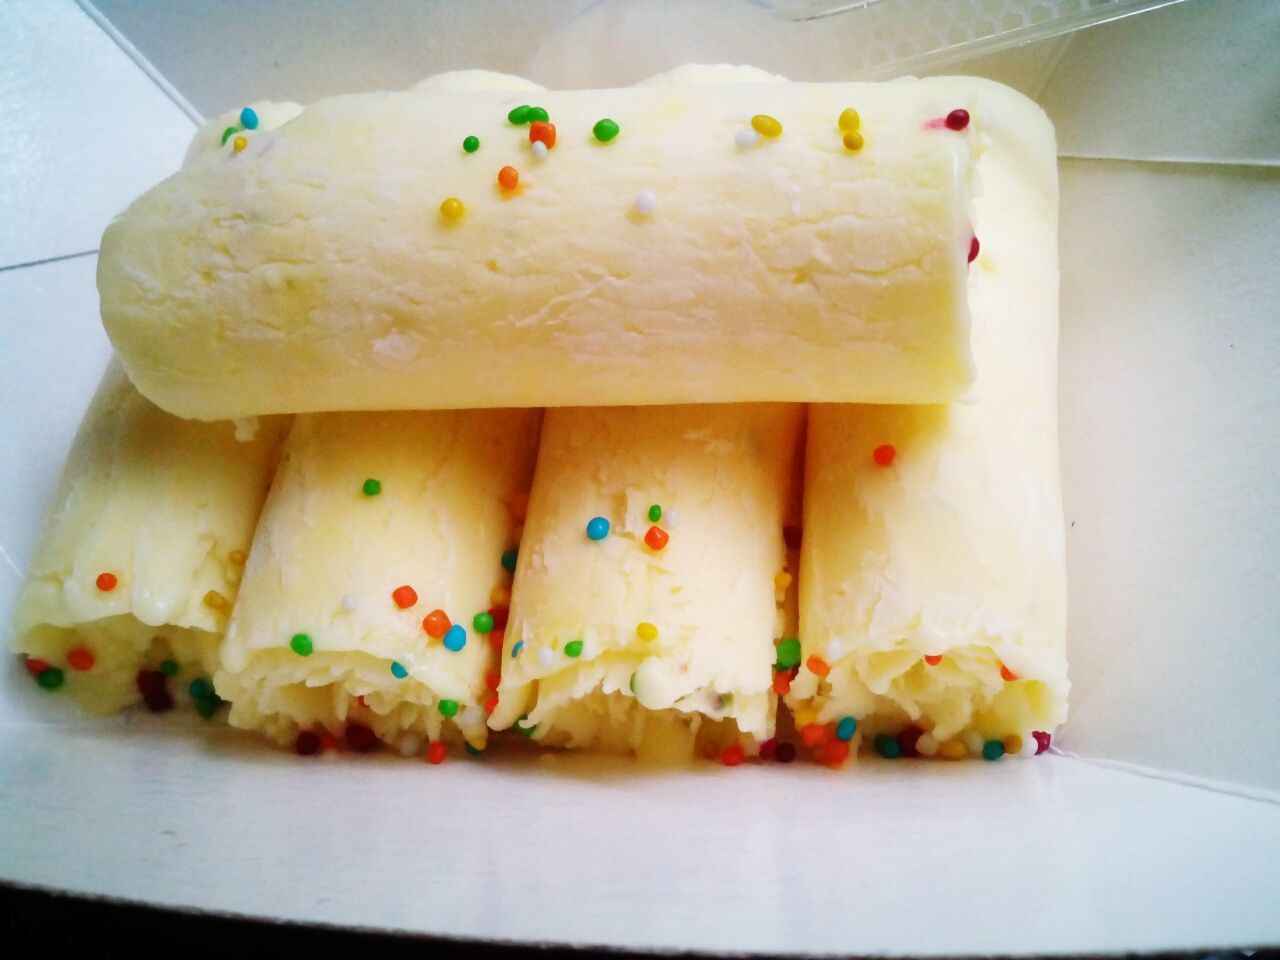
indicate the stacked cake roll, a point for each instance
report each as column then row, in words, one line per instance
column 712, row 417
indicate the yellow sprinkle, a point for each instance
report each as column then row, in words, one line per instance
column 452, row 209
column 766, row 125
column 238, row 557
column 953, row 750
column 849, row 120
column 1013, row 744
column 215, row 601
column 782, row 581
column 500, row 596
column 646, row 631
column 853, row 141
column 239, row 143
column 804, row 716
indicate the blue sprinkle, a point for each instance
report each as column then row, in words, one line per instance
column 456, row 638
column 397, row 670
column 597, row 528
column 992, row 750
column 249, row 118
column 515, row 651
column 474, row 751
column 846, row 728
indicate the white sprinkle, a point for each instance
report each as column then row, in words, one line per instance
column 926, row 746
column 646, row 201
column 973, row 740
column 348, row 602
column 746, row 139
column 671, row 518
column 540, row 150
column 1029, row 746
column 835, row 650
column 409, row 744
column 546, row 657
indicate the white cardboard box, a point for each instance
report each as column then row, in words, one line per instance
column 1156, row 826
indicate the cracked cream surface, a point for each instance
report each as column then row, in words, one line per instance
column 314, row 269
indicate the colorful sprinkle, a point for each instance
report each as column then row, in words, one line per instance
column 1007, row 675
column 360, row 737
column 493, row 680
column 471, row 144
column 953, row 750
column 887, row 746
column 732, row 755
column 538, row 115
column 768, row 747
column 655, row 513
column 301, row 644
column 50, row 679
column 542, row 132
column 597, row 528
column 200, row 688
column 926, row 745
column 1013, row 744
column 818, row 666
column 646, row 631
column 656, row 538
column 80, row 659
column 307, row 744
column 907, row 738
column 519, row 115
column 646, row 202
column 835, row 752
column 853, row 142
column 792, row 536
column 524, row 731
column 814, row 734
column 992, row 750
column 371, row 487
column 239, row 143
column 398, row 670
column 404, row 597
column 782, row 581
column 490, row 704
column 573, row 648
column 106, row 582
column 158, row 701
column 408, row 745
column 785, row 752
column 673, row 519
column 933, row 659
column 436, row 752
column 788, row 653
column 957, row 119
column 227, row 134
column 804, row 716
column 169, row 668
column 1042, row 739
column 540, row 150
column 452, row 208
column 482, row 622
column 515, row 650
column 216, row 601
column 497, row 637
column 973, row 248
column 455, row 638
column 436, row 624
column 884, row 454
column 745, row 139
column 508, row 178
column 149, row 681
column 849, row 120
column 500, row 614
column 766, row 125
column 782, row 683
column 449, row 708
column 604, row 130
column 509, row 558
column 35, row 666
column 846, row 728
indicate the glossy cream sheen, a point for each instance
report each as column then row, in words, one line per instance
column 314, row 270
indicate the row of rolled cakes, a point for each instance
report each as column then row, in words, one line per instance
column 667, row 594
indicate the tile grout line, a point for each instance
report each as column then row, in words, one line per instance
column 141, row 62
column 40, row 263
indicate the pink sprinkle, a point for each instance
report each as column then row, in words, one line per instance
column 1042, row 741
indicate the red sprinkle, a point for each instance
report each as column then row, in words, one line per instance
column 496, row 639
column 973, row 248
column 404, row 597
column 149, row 682
column 933, row 659
column 656, row 538
column 732, row 756
column 158, row 701
column 792, row 536
column 35, row 666
column 328, row 741
column 785, row 752
column 835, row 752
column 491, row 680
column 308, row 744
column 884, row 454
column 767, row 748
column 106, row 582
column 509, row 177
column 360, row 700
column 781, row 683
column 1007, row 675
column 814, row 734
column 818, row 666
column 907, row 738
column 436, row 624
column 491, row 704
column 545, row 132
column 499, row 615
column 1042, row 741
column 957, row 119
column 360, row 738
column 80, row 659
column 436, row 752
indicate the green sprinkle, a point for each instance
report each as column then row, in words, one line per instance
column 992, row 750
column 573, row 648
column 200, row 689
column 509, row 560
column 539, row 114
column 655, row 513
column 372, row 487
column 471, row 144
column 207, row 706
column 50, row 679
column 887, row 746
column 169, row 668
column 605, row 130
column 483, row 622
column 449, row 708
column 301, row 645
column 788, row 653
column 632, row 684
column 522, row 729
column 520, row 115
column 227, row 134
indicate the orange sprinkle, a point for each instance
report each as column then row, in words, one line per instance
column 541, row 131
column 781, row 683
column 436, row 624
column 80, row 659
column 732, row 756
column 436, row 752
column 491, row 680
column 782, row 581
column 656, row 538
column 884, row 454
column 491, row 704
column 835, row 752
column 1013, row 744
column 106, row 582
column 404, row 597
column 1007, row 675
column 500, row 596
column 818, row 666
column 933, row 659
column 953, row 750
column 814, row 734
column 508, row 178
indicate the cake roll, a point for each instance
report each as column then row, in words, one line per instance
column 652, row 587
column 378, row 583
column 133, row 579
column 932, row 585
column 456, row 246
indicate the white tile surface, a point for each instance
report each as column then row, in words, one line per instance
column 84, row 131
